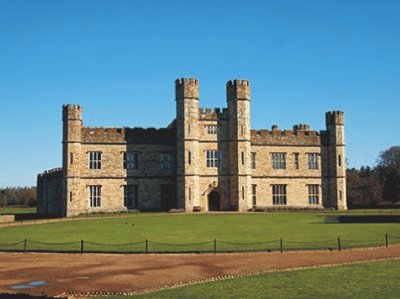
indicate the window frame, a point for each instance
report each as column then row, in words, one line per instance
column 130, row 164
column 313, row 194
column 95, row 159
column 278, row 160
column 95, row 196
column 213, row 158
column 313, row 161
column 279, row 194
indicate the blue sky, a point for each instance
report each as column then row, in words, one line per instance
column 119, row 60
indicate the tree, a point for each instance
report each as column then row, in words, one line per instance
column 389, row 171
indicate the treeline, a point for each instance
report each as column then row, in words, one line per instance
column 376, row 186
column 21, row 196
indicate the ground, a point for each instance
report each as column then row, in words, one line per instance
column 119, row 273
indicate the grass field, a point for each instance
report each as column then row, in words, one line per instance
column 17, row 210
column 164, row 231
column 371, row 280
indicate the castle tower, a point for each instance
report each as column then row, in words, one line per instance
column 238, row 97
column 72, row 124
column 336, row 164
column 187, row 116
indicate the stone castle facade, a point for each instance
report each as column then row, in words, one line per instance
column 205, row 160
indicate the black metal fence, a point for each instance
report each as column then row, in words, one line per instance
column 213, row 246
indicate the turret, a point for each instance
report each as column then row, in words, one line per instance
column 336, row 166
column 187, row 116
column 238, row 97
column 72, row 159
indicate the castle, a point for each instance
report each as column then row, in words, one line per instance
column 205, row 160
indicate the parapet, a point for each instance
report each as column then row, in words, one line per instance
column 187, row 88
column 301, row 127
column 52, row 173
column 238, row 90
column 213, row 113
column 72, row 112
column 285, row 137
column 334, row 118
column 129, row 135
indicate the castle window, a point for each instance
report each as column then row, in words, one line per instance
column 340, row 160
column 166, row 161
column 313, row 161
column 131, row 196
column 313, row 194
column 212, row 158
column 71, row 158
column 279, row 195
column 131, row 160
column 189, row 158
column 95, row 196
column 95, row 160
column 211, row 129
column 278, row 160
column 254, row 195
column 253, row 160
column 167, row 199
column 242, row 193
column 296, row 160
column 242, row 154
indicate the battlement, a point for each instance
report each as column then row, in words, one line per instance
column 301, row 127
column 334, row 118
column 285, row 137
column 238, row 90
column 237, row 82
column 72, row 112
column 55, row 172
column 129, row 135
column 187, row 88
column 213, row 113
column 186, row 81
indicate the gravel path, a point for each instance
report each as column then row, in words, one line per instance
column 118, row 273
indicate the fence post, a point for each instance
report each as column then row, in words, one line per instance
column 147, row 246
column 215, row 246
column 386, row 240
column 281, row 245
column 339, row 245
column 25, row 241
column 82, row 247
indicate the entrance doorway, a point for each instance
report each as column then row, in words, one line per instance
column 213, row 201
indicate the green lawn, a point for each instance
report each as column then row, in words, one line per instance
column 298, row 231
column 17, row 210
column 371, row 280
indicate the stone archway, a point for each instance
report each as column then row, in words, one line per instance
column 214, row 201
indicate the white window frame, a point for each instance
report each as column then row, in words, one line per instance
column 130, row 160
column 313, row 194
column 166, row 161
column 279, row 195
column 312, row 161
column 278, row 160
column 212, row 129
column 212, row 158
column 253, row 160
column 131, row 193
column 95, row 160
column 95, row 196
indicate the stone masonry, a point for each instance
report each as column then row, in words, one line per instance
column 205, row 160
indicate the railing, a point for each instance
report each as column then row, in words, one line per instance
column 213, row 246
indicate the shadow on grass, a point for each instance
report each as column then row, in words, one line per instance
column 363, row 219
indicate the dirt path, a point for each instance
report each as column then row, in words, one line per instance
column 101, row 273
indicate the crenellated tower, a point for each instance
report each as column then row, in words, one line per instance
column 72, row 126
column 187, row 116
column 238, row 98
column 336, row 160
